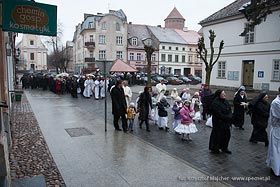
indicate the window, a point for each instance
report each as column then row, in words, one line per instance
column 276, row 70
column 119, row 40
column 102, row 39
column 118, row 28
column 190, row 58
column 163, row 58
column 138, row 56
column 31, row 42
column 170, row 48
column 190, row 49
column 119, row 55
column 90, row 25
column 163, row 47
column 102, row 54
column 176, row 58
column 91, row 54
column 134, row 41
column 177, row 48
column 131, row 56
column 153, row 57
column 169, row 58
column 183, row 49
column 103, row 26
column 250, row 35
column 31, row 56
column 91, row 38
column 183, row 58
column 221, row 69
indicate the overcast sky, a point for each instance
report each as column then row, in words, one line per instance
column 148, row 12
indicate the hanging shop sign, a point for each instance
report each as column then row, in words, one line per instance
column 29, row 17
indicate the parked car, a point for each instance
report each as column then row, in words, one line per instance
column 174, row 81
column 185, row 79
column 195, row 79
column 159, row 78
column 144, row 80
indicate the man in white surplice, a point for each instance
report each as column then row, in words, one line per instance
column 96, row 88
column 161, row 88
column 273, row 153
column 127, row 92
column 87, row 89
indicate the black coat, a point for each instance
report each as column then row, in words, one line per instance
column 144, row 104
column 261, row 114
column 118, row 101
column 238, row 110
column 222, row 114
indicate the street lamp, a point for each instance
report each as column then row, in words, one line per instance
column 149, row 49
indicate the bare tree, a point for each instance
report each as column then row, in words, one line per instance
column 203, row 53
column 256, row 12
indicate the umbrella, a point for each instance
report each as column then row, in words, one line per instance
column 62, row 75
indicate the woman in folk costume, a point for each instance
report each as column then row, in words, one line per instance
column 174, row 94
column 102, row 86
column 163, row 114
column 96, row 88
column 127, row 92
column 176, row 109
column 87, row 89
column 196, row 105
column 239, row 104
column 186, row 126
column 154, row 111
column 260, row 114
column 273, row 153
column 186, row 94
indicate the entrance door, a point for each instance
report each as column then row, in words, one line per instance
column 187, row 71
column 248, row 73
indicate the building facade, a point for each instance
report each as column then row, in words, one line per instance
column 100, row 37
column 252, row 60
column 33, row 53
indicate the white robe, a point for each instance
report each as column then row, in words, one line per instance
column 96, row 89
column 87, row 89
column 128, row 94
column 273, row 153
column 102, row 88
column 161, row 88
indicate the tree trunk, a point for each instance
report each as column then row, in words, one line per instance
column 208, row 76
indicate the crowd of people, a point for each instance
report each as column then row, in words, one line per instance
column 187, row 110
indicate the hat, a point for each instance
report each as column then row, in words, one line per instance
column 174, row 89
column 187, row 101
column 178, row 99
column 196, row 93
column 131, row 104
column 163, row 99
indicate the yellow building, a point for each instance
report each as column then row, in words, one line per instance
column 33, row 53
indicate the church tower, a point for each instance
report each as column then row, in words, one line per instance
column 175, row 20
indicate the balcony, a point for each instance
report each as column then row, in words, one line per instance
column 90, row 45
column 89, row 59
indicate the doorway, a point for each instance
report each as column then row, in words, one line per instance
column 248, row 72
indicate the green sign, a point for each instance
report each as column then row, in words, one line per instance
column 29, row 17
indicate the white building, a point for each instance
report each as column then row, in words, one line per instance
column 253, row 60
column 33, row 53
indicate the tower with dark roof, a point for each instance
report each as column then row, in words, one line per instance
column 175, row 20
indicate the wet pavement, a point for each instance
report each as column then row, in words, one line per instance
column 86, row 155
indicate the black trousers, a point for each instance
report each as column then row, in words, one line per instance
column 124, row 122
column 146, row 122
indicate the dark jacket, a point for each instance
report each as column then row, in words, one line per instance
column 162, row 112
column 118, row 101
column 261, row 114
column 144, row 102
